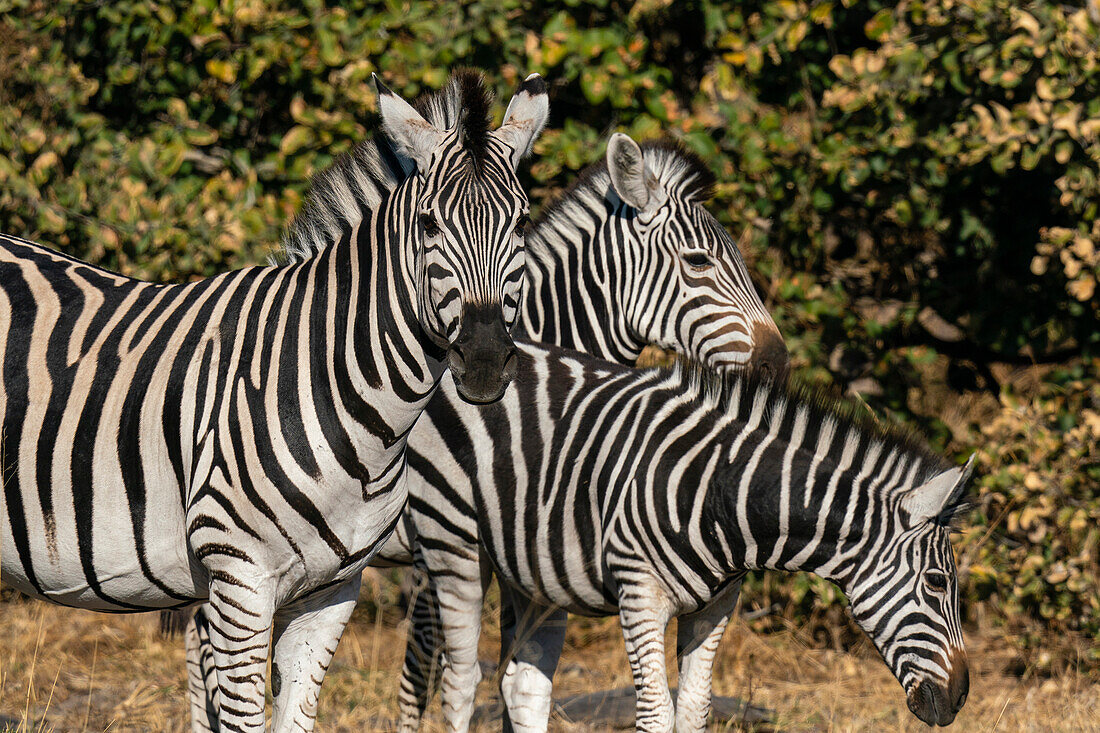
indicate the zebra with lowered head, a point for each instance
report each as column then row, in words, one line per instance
column 627, row 256
column 650, row 493
column 241, row 439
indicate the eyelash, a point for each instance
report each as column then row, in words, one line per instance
column 940, row 583
column 698, row 260
column 431, row 227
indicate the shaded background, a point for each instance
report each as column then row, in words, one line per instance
column 915, row 186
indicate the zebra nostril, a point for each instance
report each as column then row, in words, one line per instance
column 511, row 365
column 456, row 361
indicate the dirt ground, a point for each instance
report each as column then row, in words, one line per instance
column 67, row 670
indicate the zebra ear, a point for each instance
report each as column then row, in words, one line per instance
column 938, row 499
column 630, row 176
column 413, row 135
column 525, row 117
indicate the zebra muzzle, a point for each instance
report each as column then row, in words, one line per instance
column 770, row 353
column 936, row 704
column 483, row 358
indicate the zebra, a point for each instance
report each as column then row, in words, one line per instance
column 627, row 256
column 600, row 490
column 241, row 439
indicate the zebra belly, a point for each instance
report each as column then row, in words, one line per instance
column 99, row 553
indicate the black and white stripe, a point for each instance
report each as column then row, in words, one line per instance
column 609, row 272
column 608, row 277
column 242, row 438
column 647, row 493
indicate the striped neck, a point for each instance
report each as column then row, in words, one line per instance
column 830, row 495
column 574, row 272
column 366, row 342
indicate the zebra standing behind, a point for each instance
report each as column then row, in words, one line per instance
column 650, row 493
column 242, row 438
column 627, row 256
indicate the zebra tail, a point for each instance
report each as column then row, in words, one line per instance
column 173, row 621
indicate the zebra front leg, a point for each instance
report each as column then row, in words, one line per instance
column 239, row 623
column 460, row 603
column 697, row 637
column 202, row 675
column 528, row 680
column 644, row 613
column 305, row 636
column 420, row 674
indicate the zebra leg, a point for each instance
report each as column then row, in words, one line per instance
column 202, row 676
column 423, row 657
column 460, row 602
column 305, row 637
column 644, row 613
column 239, row 623
column 507, row 640
column 527, row 682
column 697, row 638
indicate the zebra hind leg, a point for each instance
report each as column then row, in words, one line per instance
column 202, row 676
column 697, row 637
column 507, row 641
column 420, row 675
column 305, row 637
column 528, row 679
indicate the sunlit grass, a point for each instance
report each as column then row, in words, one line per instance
column 66, row 670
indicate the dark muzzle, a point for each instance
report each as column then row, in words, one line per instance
column 938, row 705
column 769, row 352
column 483, row 357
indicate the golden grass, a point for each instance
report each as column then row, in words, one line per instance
column 67, row 670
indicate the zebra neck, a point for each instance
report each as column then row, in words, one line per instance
column 802, row 515
column 574, row 295
column 366, row 336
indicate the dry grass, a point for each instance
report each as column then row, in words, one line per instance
column 69, row 670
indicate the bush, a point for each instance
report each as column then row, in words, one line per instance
column 917, row 183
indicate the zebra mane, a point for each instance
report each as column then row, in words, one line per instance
column 679, row 171
column 739, row 391
column 466, row 103
column 344, row 193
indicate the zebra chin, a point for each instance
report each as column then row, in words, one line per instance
column 483, row 358
column 938, row 704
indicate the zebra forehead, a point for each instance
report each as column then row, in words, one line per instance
column 463, row 105
column 343, row 194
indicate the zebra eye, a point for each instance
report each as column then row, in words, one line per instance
column 430, row 225
column 697, row 260
column 936, row 581
column 521, row 225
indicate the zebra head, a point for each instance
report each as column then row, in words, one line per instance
column 470, row 218
column 907, row 600
column 691, row 291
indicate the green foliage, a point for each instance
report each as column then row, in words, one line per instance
column 916, row 183
column 1033, row 548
